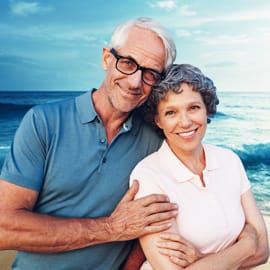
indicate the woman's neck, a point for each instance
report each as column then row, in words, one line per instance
column 193, row 160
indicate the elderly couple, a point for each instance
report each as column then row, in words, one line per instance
column 65, row 199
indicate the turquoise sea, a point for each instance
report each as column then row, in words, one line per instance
column 241, row 124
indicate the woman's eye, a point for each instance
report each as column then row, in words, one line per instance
column 168, row 113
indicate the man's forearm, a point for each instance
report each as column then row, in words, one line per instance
column 24, row 230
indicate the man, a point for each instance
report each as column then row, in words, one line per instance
column 68, row 168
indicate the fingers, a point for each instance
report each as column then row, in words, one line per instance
column 180, row 251
column 179, row 261
column 159, row 227
column 153, row 198
column 172, row 246
column 172, row 237
column 130, row 194
column 135, row 218
column 147, row 200
column 176, row 256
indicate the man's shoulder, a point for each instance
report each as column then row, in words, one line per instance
column 52, row 110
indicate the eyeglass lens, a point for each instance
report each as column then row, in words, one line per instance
column 129, row 66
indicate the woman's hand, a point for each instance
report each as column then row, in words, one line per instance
column 179, row 250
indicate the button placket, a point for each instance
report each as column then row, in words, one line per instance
column 102, row 140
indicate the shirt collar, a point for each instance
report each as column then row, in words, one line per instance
column 175, row 169
column 85, row 107
column 212, row 162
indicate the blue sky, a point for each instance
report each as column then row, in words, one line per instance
column 57, row 45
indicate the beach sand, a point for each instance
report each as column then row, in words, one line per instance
column 6, row 257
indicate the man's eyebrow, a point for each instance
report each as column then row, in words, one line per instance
column 131, row 58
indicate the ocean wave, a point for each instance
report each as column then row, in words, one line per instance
column 11, row 106
column 221, row 115
column 32, row 98
column 255, row 154
column 4, row 147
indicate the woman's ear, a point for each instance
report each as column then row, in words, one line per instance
column 156, row 120
column 106, row 58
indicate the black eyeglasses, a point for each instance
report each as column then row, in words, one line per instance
column 128, row 66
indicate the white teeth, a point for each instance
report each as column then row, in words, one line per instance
column 186, row 134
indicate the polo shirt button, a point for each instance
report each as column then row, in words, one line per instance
column 102, row 140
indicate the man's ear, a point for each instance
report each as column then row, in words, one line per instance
column 106, row 58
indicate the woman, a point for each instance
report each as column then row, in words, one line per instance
column 208, row 182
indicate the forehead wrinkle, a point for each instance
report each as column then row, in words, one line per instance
column 145, row 47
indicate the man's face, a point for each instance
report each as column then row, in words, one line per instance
column 126, row 92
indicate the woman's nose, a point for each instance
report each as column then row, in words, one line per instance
column 184, row 120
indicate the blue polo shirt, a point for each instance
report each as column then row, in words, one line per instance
column 60, row 150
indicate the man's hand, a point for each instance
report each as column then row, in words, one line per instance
column 135, row 218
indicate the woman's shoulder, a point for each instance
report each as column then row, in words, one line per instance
column 150, row 162
column 220, row 152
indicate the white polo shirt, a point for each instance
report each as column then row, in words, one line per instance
column 210, row 217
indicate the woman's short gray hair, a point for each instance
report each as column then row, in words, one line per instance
column 120, row 33
column 175, row 76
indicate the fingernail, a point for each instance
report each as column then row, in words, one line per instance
column 175, row 206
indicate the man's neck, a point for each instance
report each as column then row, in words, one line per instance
column 111, row 118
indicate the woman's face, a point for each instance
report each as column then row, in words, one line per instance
column 183, row 119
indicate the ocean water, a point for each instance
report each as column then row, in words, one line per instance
column 241, row 124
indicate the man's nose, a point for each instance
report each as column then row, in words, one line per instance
column 135, row 79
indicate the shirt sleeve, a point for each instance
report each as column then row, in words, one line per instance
column 24, row 164
column 148, row 180
column 245, row 183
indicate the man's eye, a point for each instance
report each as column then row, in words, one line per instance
column 151, row 75
column 127, row 62
column 195, row 107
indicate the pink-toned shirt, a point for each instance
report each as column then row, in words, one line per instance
column 210, row 217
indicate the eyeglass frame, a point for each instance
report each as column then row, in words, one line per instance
column 143, row 69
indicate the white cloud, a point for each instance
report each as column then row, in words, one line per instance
column 183, row 33
column 56, row 33
column 196, row 19
column 185, row 11
column 168, row 4
column 248, row 15
column 22, row 8
column 225, row 39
